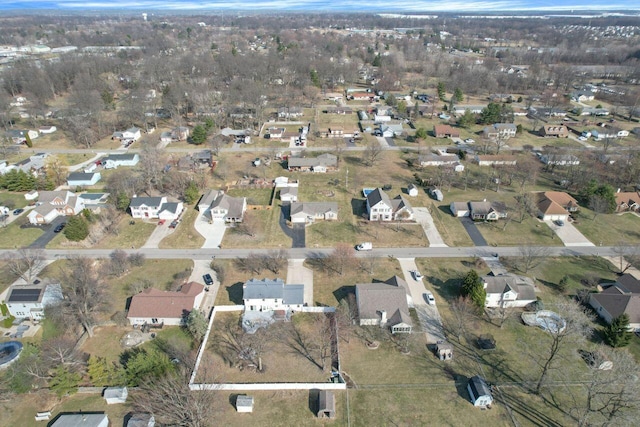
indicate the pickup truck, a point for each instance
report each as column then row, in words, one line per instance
column 364, row 246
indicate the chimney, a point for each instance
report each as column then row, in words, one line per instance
column 383, row 317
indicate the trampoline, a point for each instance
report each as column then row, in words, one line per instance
column 9, row 352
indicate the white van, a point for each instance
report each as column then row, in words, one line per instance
column 365, row 246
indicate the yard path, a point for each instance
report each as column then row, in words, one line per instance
column 424, row 218
column 297, row 273
column 428, row 315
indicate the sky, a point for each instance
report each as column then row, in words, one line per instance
column 368, row 6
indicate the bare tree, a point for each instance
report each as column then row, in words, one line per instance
column 60, row 351
column 239, row 348
column 340, row 259
column 85, row 293
column 546, row 352
column 372, row 153
column 627, row 255
column 169, row 398
column 599, row 205
column 248, row 226
column 118, row 262
column 274, row 261
column 463, row 313
column 26, row 263
column 532, row 256
column 317, row 344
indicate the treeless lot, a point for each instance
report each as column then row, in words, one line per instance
column 608, row 229
column 186, row 235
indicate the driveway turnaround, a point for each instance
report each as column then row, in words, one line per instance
column 424, row 218
column 428, row 315
column 298, row 274
column 472, row 230
column 213, row 232
column 569, row 235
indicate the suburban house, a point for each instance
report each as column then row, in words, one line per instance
column 180, row 133
column 308, row 212
column 155, row 207
column 445, row 131
column 20, row 136
column 627, row 201
column 475, row 109
column 340, row 109
column 94, row 201
column 432, row 159
column 84, row 419
column 166, row 138
column 390, row 130
column 289, row 194
column 34, row 164
column 29, row 301
column 459, row 209
column 131, row 134
column 275, row 132
column 385, row 305
column 382, row 208
column 290, row 112
column 554, row 131
column 608, row 132
column 321, row 164
column 487, row 211
column 218, row 205
column 272, row 295
column 593, row 111
column 508, row 290
column 52, row 204
column 496, row 160
column 555, row 205
column 153, row 306
column 83, row 179
column 620, row 298
column 582, row 96
column 479, row 392
column 113, row 161
column 559, row 159
column 500, row 131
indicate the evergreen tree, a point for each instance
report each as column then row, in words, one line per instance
column 103, row 374
column 458, row 95
column 122, row 202
column 421, row 133
column 197, row 325
column 315, row 79
column 467, row 119
column 64, row 382
column 191, row 193
column 28, row 141
column 141, row 364
column 441, row 91
column 77, row 228
column 199, row 135
column 473, row 289
column 617, row 333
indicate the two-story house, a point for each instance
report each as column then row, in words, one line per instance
column 218, row 205
column 155, row 208
column 380, row 207
column 52, row 204
column 271, row 295
column 508, row 290
column 29, row 301
column 500, row 131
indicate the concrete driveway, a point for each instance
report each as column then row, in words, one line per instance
column 297, row 274
column 428, row 315
column 569, row 235
column 159, row 233
column 424, row 218
column 472, row 231
column 382, row 141
column 200, row 268
column 213, row 232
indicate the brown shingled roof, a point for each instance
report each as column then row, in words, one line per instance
column 156, row 303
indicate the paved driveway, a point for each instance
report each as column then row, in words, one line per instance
column 472, row 230
column 159, row 233
column 382, row 141
column 298, row 235
column 569, row 235
column 428, row 315
column 424, row 218
column 48, row 234
column 297, row 273
column 213, row 232
column 200, row 268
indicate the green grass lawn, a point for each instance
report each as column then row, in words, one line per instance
column 255, row 196
column 268, row 232
column 12, row 236
column 12, row 200
column 507, row 232
column 449, row 227
column 131, row 234
column 186, row 235
column 608, row 229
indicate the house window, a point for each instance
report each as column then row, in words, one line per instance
column 154, row 320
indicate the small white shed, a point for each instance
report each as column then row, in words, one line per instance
column 479, row 392
column 244, row 403
column 115, row 395
column 412, row 190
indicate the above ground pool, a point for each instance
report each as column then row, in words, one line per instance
column 9, row 351
column 545, row 319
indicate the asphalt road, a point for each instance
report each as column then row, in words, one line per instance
column 434, row 252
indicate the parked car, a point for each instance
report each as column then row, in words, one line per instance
column 444, row 116
column 469, row 141
column 559, row 222
column 582, row 138
column 365, row 246
column 208, row 280
column 428, row 297
column 162, row 221
column 18, row 211
column 173, row 224
column 417, row 275
column 59, row 227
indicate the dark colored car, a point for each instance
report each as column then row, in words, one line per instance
column 173, row 224
column 59, row 228
column 18, row 211
column 208, row 280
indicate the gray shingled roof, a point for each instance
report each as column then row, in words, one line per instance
column 376, row 297
column 147, row 201
column 170, row 207
column 313, row 208
column 616, row 302
column 80, row 176
column 272, row 289
column 377, row 196
column 233, row 205
column 120, row 157
column 327, row 160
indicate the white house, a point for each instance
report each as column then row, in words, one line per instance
column 559, row 159
column 308, row 212
column 83, row 179
column 220, row 206
column 170, row 211
column 131, row 134
column 290, row 112
column 508, row 291
column 153, row 306
column 289, row 194
column 113, row 161
column 479, row 392
column 459, row 209
column 146, row 207
column 382, row 208
column 52, row 204
column 272, row 295
column 500, row 131
column 29, row 301
column 582, row 96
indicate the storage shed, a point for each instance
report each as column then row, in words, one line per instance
column 244, row 403
column 115, row 395
column 479, row 392
column 444, row 350
column 326, row 404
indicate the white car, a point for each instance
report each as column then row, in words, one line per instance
column 416, row 275
column 428, row 297
column 582, row 138
column 469, row 141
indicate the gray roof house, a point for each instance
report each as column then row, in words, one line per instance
column 479, row 392
column 384, row 304
column 267, row 300
column 322, row 163
column 508, row 290
column 83, row 179
column 617, row 299
column 113, row 161
column 218, row 205
column 81, row 420
column 289, row 194
column 487, row 211
column 382, row 208
column 308, row 212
